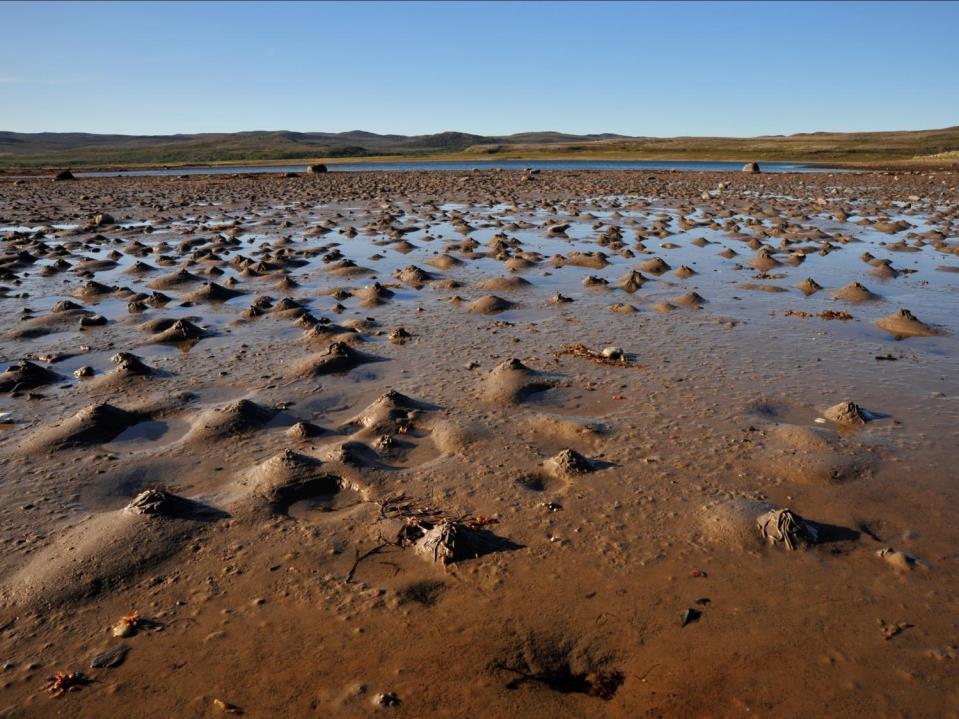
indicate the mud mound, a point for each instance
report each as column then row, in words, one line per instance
column 732, row 522
column 655, row 266
column 173, row 331
column 763, row 260
column 212, row 292
column 286, row 478
column 512, row 382
column 26, row 375
column 905, row 324
column 93, row 425
column 519, row 264
column 632, row 281
column 129, row 364
column 174, row 280
column 444, row 262
column 491, row 304
column 623, row 308
column 161, row 503
column 339, row 358
column 855, row 292
column 595, row 281
column 805, row 455
column 809, row 286
column 374, row 295
column 348, row 268
column 413, row 276
column 326, row 331
column 233, row 420
column 391, row 413
column 455, row 439
column 797, row 437
column 593, row 260
column 847, row 413
column 884, row 270
column 685, row 272
column 503, row 284
column 305, row 430
column 65, row 306
column 93, row 290
column 109, row 551
column 568, row 462
column 128, row 367
column 690, row 299
column 353, row 454
column 139, row 268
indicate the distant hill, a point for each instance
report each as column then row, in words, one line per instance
column 826, row 147
column 73, row 149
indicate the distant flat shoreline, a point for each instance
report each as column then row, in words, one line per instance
column 462, row 166
column 458, row 163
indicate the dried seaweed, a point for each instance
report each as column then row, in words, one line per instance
column 581, row 350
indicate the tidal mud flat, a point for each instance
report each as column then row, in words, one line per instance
column 480, row 444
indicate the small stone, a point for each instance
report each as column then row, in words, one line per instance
column 387, row 699
column 110, row 658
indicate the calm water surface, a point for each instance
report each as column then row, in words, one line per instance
column 465, row 166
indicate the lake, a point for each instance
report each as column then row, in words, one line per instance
column 466, row 166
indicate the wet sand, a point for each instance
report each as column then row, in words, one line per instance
column 484, row 444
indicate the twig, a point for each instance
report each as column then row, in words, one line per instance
column 360, row 557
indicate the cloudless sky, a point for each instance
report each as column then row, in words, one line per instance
column 659, row 69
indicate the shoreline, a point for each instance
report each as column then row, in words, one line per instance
column 891, row 165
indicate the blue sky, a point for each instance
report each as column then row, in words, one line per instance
column 490, row 68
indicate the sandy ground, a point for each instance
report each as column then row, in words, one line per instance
column 393, row 472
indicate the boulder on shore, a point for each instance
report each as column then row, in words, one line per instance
column 752, row 167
